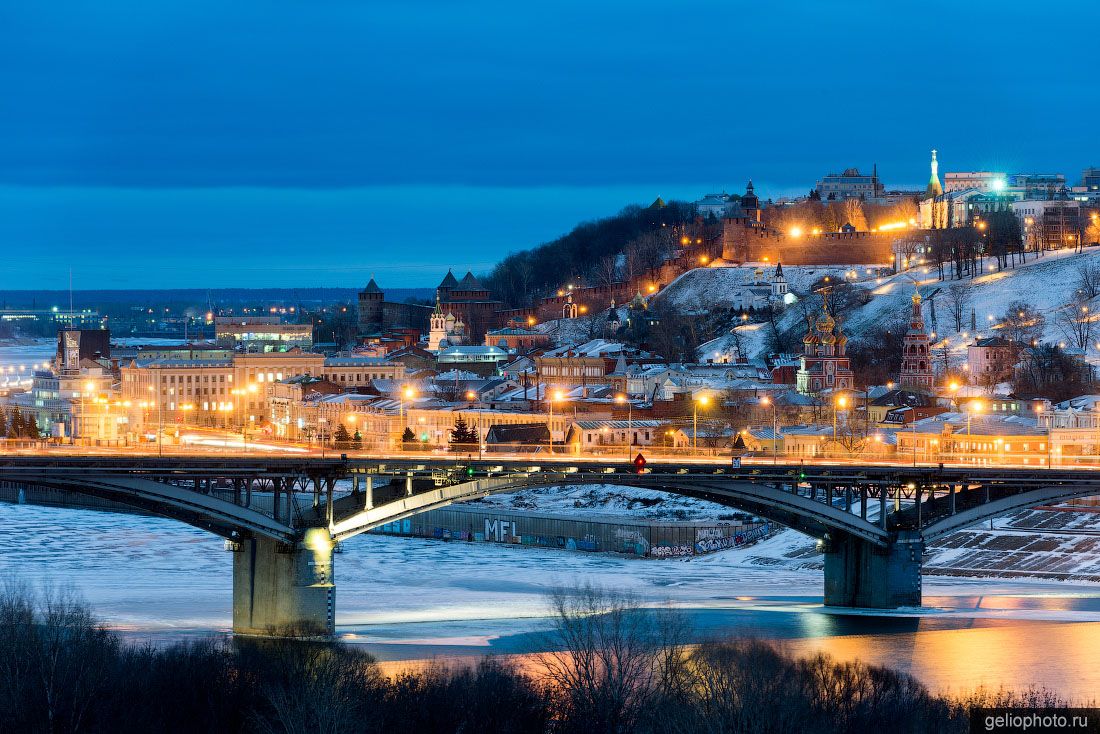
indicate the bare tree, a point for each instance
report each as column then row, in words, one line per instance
column 1022, row 323
column 607, row 270
column 958, row 298
column 612, row 658
column 1075, row 323
column 1092, row 230
column 853, row 213
column 1088, row 280
column 851, row 436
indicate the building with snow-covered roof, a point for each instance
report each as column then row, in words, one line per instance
column 517, row 339
column 717, row 205
column 851, row 184
column 586, row 436
column 483, row 360
column 991, row 360
column 976, row 438
column 597, row 361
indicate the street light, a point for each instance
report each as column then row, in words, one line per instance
column 838, row 403
column 556, row 395
column 971, row 408
column 472, row 396
column 775, row 428
column 699, row 400
column 621, row 398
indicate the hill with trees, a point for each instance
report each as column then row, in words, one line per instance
column 593, row 253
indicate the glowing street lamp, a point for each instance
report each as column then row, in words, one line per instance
column 699, row 400
column 620, row 399
column 974, row 407
column 472, row 396
column 840, row 402
column 556, row 395
column 775, row 428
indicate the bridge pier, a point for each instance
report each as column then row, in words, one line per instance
column 279, row 589
column 859, row 573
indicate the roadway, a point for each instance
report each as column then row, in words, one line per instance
column 196, row 442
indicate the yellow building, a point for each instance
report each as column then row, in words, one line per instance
column 235, row 391
column 976, row 439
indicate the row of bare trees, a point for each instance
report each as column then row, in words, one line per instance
column 830, row 216
column 607, row 665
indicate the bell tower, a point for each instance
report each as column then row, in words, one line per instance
column 916, row 359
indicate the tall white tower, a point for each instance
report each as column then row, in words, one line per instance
column 934, row 186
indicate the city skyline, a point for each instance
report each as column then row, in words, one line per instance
column 160, row 135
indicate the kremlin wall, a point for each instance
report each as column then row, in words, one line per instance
column 744, row 240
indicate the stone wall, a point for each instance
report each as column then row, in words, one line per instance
column 742, row 242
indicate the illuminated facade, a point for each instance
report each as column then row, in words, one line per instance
column 261, row 334
column 824, row 365
column 916, row 360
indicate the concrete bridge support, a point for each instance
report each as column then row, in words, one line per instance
column 859, row 573
column 281, row 589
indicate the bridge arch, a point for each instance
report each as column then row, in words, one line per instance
column 1004, row 505
column 203, row 511
column 793, row 509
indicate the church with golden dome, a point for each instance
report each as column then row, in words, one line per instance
column 824, row 365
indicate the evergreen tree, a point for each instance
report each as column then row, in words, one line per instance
column 408, row 437
column 462, row 434
column 340, row 437
column 30, row 428
column 15, row 423
column 357, row 441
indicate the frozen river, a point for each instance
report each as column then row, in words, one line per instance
column 407, row 599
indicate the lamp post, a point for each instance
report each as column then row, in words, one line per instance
column 322, row 422
column 351, row 422
column 775, row 429
column 252, row 389
column 838, row 403
column 186, row 408
column 971, row 408
column 696, row 402
column 409, row 393
column 622, row 398
column 1038, row 422
column 556, row 395
column 472, row 396
column 88, row 387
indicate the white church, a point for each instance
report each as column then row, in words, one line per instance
column 759, row 293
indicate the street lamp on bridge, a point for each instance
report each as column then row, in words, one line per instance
column 696, row 402
column 620, row 399
column 775, row 428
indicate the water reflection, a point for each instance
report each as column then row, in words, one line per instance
column 947, row 653
column 1058, row 655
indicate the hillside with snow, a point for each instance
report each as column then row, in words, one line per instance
column 1047, row 283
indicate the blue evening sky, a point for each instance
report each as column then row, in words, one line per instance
column 199, row 143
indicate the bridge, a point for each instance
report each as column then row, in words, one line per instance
column 282, row 517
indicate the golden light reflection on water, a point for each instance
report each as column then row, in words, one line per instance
column 1061, row 656
column 1064, row 657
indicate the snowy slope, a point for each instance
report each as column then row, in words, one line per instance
column 700, row 289
column 1047, row 283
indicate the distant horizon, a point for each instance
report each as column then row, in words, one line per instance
column 494, row 213
column 197, row 143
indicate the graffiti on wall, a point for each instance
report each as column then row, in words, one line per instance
column 671, row 551
column 502, row 531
